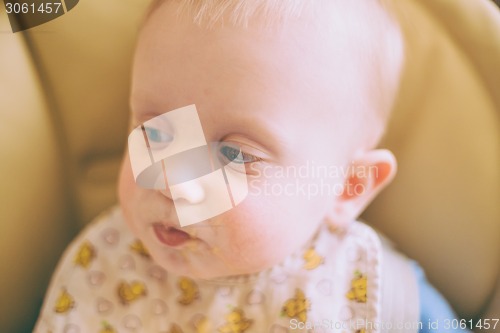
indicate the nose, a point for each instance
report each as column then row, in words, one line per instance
column 192, row 192
column 182, row 175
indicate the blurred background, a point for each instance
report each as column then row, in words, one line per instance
column 63, row 126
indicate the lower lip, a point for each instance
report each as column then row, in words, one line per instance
column 171, row 236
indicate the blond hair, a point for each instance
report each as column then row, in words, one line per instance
column 239, row 12
column 210, row 12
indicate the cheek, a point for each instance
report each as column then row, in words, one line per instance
column 249, row 240
column 262, row 231
column 126, row 188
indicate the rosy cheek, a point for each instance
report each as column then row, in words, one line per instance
column 249, row 228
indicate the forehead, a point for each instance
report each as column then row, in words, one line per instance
column 305, row 65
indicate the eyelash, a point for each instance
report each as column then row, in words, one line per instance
column 234, row 152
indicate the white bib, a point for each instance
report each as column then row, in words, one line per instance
column 341, row 281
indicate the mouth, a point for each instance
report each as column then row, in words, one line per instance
column 171, row 236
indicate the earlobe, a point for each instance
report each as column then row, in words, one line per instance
column 368, row 175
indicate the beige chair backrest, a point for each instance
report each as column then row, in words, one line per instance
column 443, row 208
column 63, row 126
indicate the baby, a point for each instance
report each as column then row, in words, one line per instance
column 251, row 225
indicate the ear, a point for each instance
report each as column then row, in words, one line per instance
column 366, row 176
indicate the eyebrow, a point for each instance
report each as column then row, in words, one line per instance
column 148, row 115
column 140, row 104
column 143, row 110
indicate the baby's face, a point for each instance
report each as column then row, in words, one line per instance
column 288, row 98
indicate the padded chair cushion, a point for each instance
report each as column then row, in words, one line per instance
column 34, row 213
column 85, row 59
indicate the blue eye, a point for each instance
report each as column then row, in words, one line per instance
column 158, row 136
column 236, row 155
